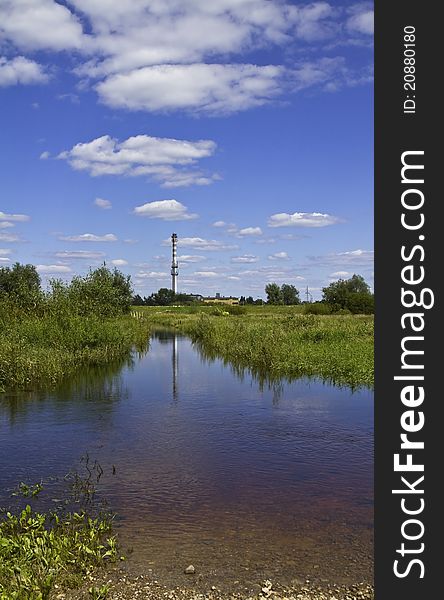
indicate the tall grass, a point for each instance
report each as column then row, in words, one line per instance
column 282, row 342
column 40, row 351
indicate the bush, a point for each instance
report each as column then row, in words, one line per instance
column 317, row 308
column 235, row 309
column 103, row 293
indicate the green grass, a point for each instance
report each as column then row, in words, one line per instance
column 42, row 551
column 278, row 341
column 40, row 352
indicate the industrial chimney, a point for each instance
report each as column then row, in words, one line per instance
column 174, row 265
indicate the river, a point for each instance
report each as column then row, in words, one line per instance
column 207, row 466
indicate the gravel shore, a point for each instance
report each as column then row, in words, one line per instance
column 123, row 586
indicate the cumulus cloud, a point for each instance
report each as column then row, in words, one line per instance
column 302, row 219
column 245, row 258
column 44, row 155
column 350, row 259
column 15, row 218
column 200, row 244
column 190, row 258
column 206, row 274
column 4, row 260
column 162, row 56
column 209, row 88
column 103, row 204
column 53, row 269
column 20, row 70
column 119, row 262
column 356, row 255
column 279, row 256
column 362, row 20
column 219, row 224
column 340, row 274
column 6, row 224
column 81, row 254
column 5, row 251
column 40, row 25
column 89, row 237
column 9, row 237
column 167, row 160
column 152, row 275
column 167, row 210
column 247, row 231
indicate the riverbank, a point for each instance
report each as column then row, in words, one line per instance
column 123, row 586
column 278, row 342
column 38, row 352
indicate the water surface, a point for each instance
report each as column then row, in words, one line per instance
column 208, row 467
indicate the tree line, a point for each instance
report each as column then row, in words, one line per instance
column 102, row 292
column 345, row 295
column 105, row 292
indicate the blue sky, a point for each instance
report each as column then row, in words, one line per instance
column 246, row 126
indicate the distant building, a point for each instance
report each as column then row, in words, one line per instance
column 218, row 299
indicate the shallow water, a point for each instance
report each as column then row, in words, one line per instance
column 206, row 467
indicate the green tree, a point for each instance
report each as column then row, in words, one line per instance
column 290, row 295
column 164, row 297
column 20, row 285
column 274, row 294
column 353, row 294
column 101, row 292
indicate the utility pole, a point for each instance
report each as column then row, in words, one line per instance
column 174, row 265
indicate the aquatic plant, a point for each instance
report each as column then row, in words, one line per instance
column 42, row 550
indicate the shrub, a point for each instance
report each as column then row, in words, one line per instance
column 317, row 308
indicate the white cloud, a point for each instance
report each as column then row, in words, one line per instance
column 362, row 19
column 200, row 244
column 89, row 237
column 169, row 161
column 350, row 258
column 20, row 70
column 154, row 54
column 45, row 155
column 219, row 224
column 6, row 224
column 119, row 262
column 340, row 274
column 167, row 210
column 9, row 237
column 353, row 255
column 152, row 275
column 103, row 204
column 246, row 258
column 278, row 256
column 16, row 218
column 315, row 22
column 4, row 260
column 5, row 251
column 53, row 269
column 82, row 254
column 209, row 88
column 190, row 258
column 302, row 219
column 249, row 231
column 206, row 274
column 40, row 24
